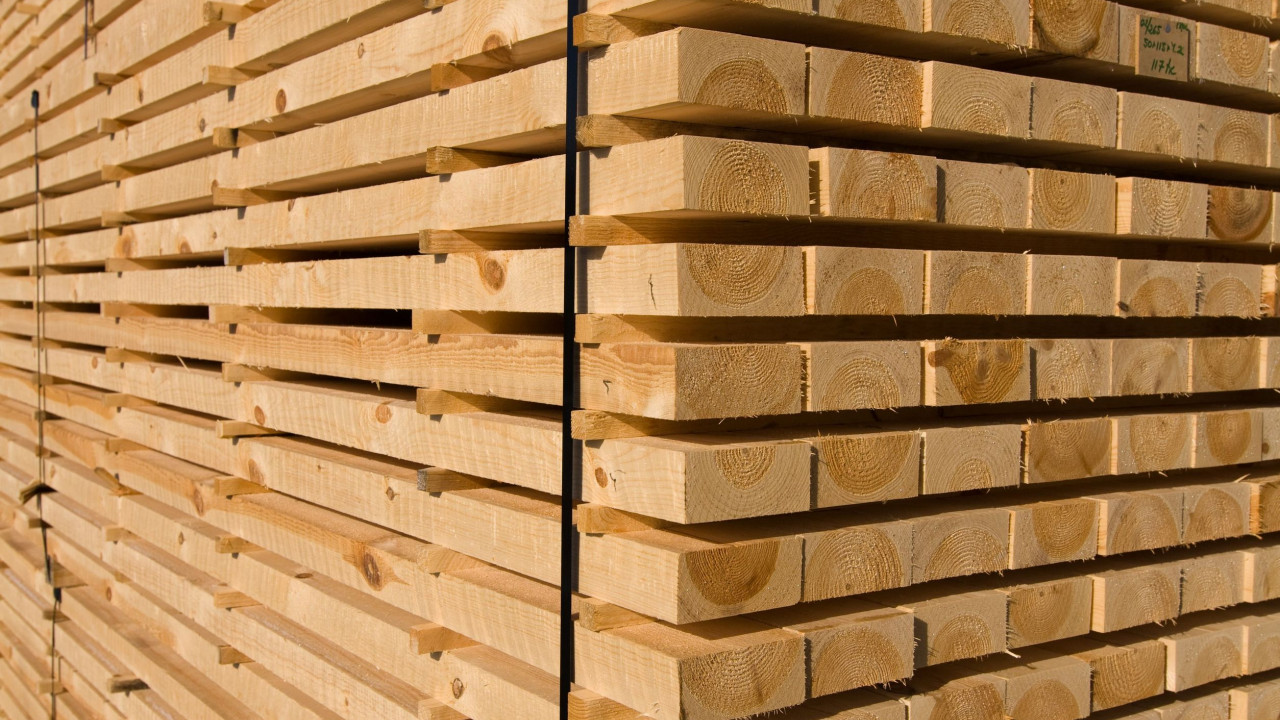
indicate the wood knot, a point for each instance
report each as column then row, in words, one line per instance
column 383, row 413
column 255, row 473
column 125, row 243
column 369, row 568
column 282, row 100
column 496, row 44
column 360, row 51
column 457, row 687
column 602, row 478
column 493, row 273
column 260, row 415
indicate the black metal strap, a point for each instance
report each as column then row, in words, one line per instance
column 568, row 536
column 39, row 487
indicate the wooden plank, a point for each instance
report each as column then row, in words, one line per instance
column 952, row 544
column 682, row 672
column 969, row 457
column 1124, row 670
column 861, row 281
column 1073, row 113
column 1069, row 449
column 699, row 177
column 850, row 644
column 680, row 578
column 1231, row 56
column 966, row 283
column 1151, row 288
column 1053, row 531
column 486, row 277
column 866, row 467
column 1151, row 366
column 708, row 479
column 1169, row 208
column 871, row 185
column 695, row 279
column 965, row 372
column 1135, row 594
column 1227, row 437
column 1139, row 521
column 955, row 626
column 863, row 558
column 1071, row 368
column 1072, row 285
column 1229, row 290
column 1203, row 654
column 1213, row 581
column 1041, row 611
column 860, row 375
column 687, row 381
column 710, row 75
column 984, row 195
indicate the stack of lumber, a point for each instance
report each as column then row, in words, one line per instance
column 927, row 359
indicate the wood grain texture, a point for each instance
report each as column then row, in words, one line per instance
column 969, row 457
column 866, row 467
column 1069, row 449
column 684, row 382
column 1152, row 288
column 864, row 281
column 694, row 75
column 967, row 283
column 871, row 185
column 1072, row 285
column 695, row 280
column 861, row 375
column 1070, row 368
column 1146, row 206
column 1089, row 29
column 996, row 21
column 967, row 372
column 1073, row 113
column 1154, row 442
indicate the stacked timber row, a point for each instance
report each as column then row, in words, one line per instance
column 928, row 360
column 211, row 433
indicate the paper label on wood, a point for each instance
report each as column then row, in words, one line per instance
column 1164, row 47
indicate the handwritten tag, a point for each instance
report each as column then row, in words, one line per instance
column 1164, row 47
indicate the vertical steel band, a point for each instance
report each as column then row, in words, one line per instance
column 570, row 365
